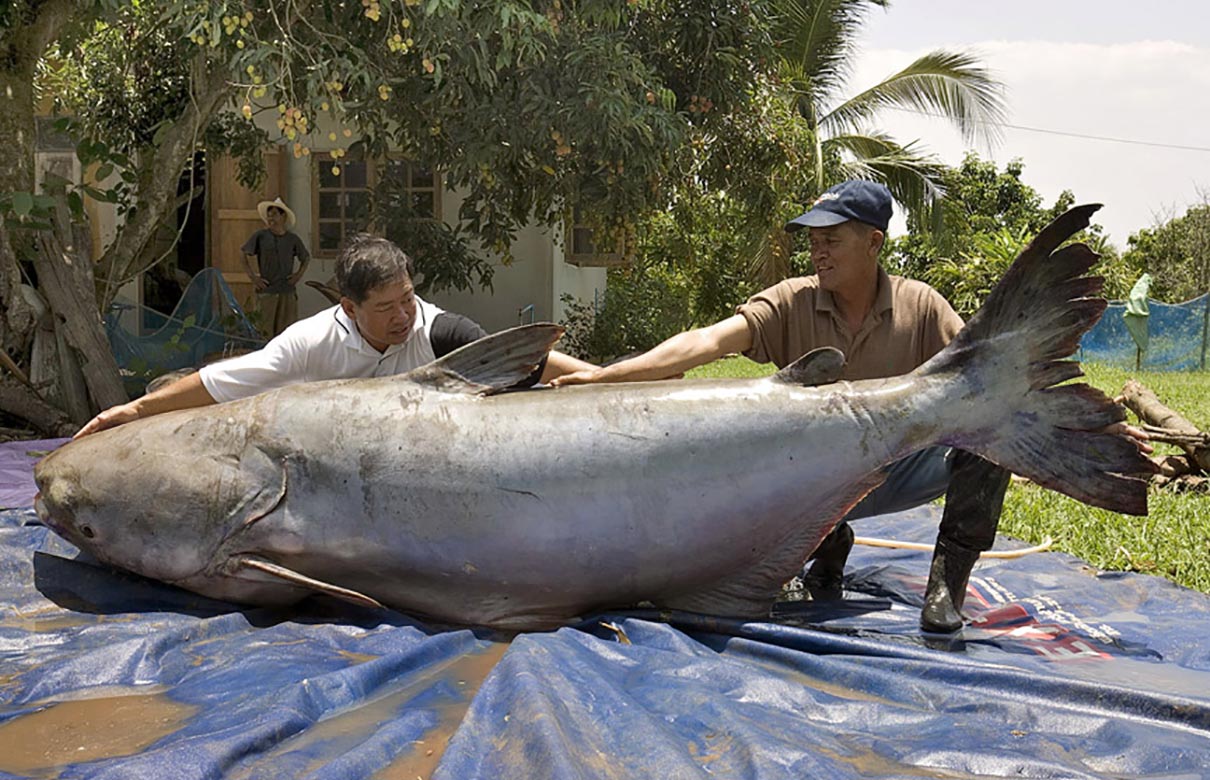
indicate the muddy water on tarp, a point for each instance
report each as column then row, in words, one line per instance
column 112, row 722
column 468, row 673
column 346, row 730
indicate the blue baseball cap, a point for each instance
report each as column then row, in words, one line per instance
column 864, row 201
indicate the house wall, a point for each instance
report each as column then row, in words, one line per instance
column 528, row 289
column 537, row 276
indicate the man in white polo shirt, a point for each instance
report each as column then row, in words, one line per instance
column 379, row 328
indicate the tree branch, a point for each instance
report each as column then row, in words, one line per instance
column 20, row 401
column 49, row 19
column 157, row 187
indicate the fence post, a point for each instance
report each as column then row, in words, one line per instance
column 1205, row 328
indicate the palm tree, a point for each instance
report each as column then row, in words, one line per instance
column 816, row 47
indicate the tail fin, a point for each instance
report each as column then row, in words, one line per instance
column 1013, row 351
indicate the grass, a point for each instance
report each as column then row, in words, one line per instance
column 1172, row 541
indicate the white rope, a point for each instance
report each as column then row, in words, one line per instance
column 895, row 544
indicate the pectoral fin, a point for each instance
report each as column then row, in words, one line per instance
column 301, row 580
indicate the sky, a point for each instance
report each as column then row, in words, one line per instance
column 1100, row 69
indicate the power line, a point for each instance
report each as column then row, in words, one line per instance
column 1134, row 142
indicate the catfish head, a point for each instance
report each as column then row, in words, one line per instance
column 166, row 498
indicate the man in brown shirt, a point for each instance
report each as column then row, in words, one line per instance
column 886, row 326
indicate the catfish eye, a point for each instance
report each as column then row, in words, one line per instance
column 88, row 532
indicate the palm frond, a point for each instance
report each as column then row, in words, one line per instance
column 768, row 256
column 950, row 85
column 815, row 41
column 913, row 176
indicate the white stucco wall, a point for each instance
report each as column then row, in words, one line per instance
column 537, row 276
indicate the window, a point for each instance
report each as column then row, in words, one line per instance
column 342, row 199
column 582, row 249
column 342, row 202
column 419, row 184
column 55, row 154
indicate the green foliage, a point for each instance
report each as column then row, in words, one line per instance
column 817, row 40
column 442, row 254
column 242, row 140
column 689, row 271
column 697, row 239
column 121, row 78
column 991, row 215
column 965, row 281
column 621, row 88
column 26, row 211
column 124, row 81
column 1176, row 254
column 643, row 305
column 760, row 167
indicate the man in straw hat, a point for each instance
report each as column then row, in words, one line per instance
column 275, row 249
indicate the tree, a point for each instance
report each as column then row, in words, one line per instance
column 746, row 172
column 816, row 43
column 688, row 270
column 622, row 89
column 991, row 216
column 57, row 254
column 1176, row 252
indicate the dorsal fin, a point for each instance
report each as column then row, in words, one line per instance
column 818, row 367
column 491, row 364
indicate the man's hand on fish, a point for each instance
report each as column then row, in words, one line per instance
column 110, row 418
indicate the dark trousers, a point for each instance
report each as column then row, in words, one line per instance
column 974, row 489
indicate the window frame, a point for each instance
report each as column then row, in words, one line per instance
column 375, row 167
column 594, row 258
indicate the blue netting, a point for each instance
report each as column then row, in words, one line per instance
column 208, row 323
column 1178, row 338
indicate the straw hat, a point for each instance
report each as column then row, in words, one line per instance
column 262, row 208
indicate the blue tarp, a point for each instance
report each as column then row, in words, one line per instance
column 1065, row 672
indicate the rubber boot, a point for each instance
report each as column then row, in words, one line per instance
column 946, row 591
column 826, row 574
column 973, row 503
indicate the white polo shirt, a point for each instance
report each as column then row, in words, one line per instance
column 324, row 346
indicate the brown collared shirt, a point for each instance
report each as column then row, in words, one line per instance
column 908, row 324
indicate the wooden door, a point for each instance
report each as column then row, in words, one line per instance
column 233, row 218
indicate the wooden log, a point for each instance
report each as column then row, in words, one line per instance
column 1173, row 465
column 1143, row 402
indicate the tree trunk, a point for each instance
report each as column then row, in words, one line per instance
column 159, row 172
column 20, row 401
column 64, row 267
column 21, row 46
column 17, row 127
column 17, row 316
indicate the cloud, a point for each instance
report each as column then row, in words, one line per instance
column 1151, row 91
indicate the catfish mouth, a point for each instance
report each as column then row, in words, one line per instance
column 63, row 522
column 47, row 518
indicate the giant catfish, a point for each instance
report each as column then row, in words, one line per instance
column 437, row 494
